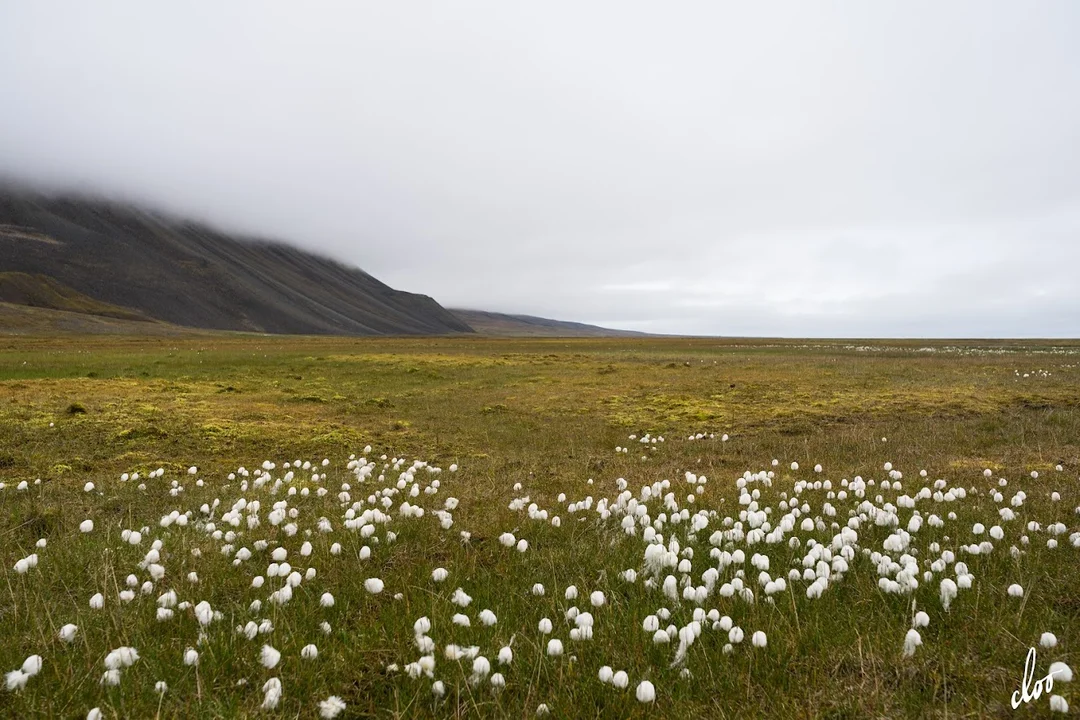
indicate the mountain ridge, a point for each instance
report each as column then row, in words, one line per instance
column 90, row 256
column 192, row 275
column 486, row 322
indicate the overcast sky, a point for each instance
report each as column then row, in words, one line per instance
column 752, row 168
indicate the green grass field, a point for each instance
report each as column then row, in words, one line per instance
column 535, row 419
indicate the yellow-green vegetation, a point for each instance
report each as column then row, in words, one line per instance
column 548, row 414
column 42, row 291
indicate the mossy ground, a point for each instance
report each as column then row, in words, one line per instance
column 547, row 413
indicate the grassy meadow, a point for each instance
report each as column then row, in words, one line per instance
column 527, row 422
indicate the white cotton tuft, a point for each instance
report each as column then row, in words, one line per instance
column 331, row 707
column 948, row 592
column 1061, row 672
column 911, row 641
column 269, row 657
column 15, row 680
column 32, row 665
column 272, row 693
column 645, row 692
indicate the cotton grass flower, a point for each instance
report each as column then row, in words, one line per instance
column 331, row 707
column 191, row 657
column 481, row 668
column 645, row 692
column 16, row 680
column 1058, row 704
column 121, row 657
column 506, row 656
column 67, row 633
column 1015, row 591
column 948, row 592
column 758, row 639
column 269, row 657
column 32, row 665
column 1061, row 672
column 373, row 585
column 272, row 692
column 911, row 641
column 309, row 652
column 554, row 647
column 1048, row 640
column 204, row 613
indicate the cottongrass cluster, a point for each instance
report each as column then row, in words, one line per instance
column 775, row 543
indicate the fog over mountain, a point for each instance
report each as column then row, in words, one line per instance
column 799, row 169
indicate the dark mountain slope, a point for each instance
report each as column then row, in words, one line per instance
column 191, row 275
column 492, row 323
column 42, row 291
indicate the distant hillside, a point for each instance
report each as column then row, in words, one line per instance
column 41, row 291
column 491, row 323
column 17, row 319
column 128, row 260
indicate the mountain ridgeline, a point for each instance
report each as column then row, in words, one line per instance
column 70, row 250
column 76, row 265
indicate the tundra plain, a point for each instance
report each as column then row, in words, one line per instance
column 684, row 573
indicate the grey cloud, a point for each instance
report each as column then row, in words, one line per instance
column 834, row 168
